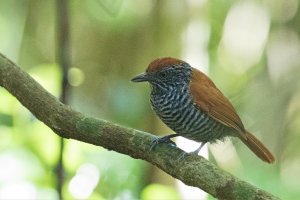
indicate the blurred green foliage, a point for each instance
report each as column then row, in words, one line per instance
column 252, row 50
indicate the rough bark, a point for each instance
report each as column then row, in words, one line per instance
column 193, row 170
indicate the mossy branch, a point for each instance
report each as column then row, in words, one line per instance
column 194, row 170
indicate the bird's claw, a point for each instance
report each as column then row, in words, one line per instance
column 182, row 156
column 185, row 154
column 159, row 140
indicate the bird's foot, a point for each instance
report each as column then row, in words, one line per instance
column 159, row 140
column 182, row 156
column 187, row 154
column 193, row 153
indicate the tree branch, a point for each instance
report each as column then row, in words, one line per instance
column 194, row 170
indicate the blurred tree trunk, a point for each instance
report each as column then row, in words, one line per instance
column 63, row 58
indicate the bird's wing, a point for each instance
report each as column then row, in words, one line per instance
column 211, row 100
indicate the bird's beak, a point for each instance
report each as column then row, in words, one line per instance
column 140, row 78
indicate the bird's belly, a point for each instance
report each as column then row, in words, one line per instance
column 190, row 122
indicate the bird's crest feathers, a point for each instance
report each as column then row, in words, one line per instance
column 161, row 63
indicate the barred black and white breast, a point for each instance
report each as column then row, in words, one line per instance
column 175, row 107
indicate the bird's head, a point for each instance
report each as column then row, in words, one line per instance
column 166, row 72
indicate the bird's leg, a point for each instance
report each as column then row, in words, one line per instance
column 164, row 139
column 198, row 150
column 184, row 154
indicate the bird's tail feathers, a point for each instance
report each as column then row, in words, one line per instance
column 258, row 148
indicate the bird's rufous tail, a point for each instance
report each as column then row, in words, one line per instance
column 258, row 148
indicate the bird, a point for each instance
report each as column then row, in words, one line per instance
column 189, row 103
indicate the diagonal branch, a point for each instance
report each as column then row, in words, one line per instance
column 194, row 170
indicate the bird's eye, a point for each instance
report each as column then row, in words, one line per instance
column 163, row 74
